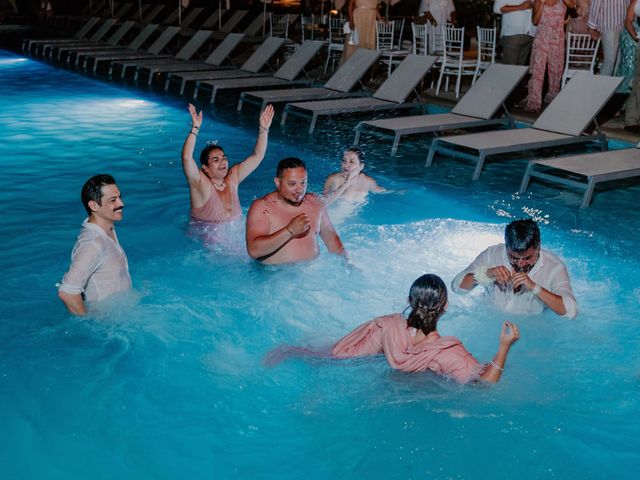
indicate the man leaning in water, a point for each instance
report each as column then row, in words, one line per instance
column 283, row 226
column 99, row 266
column 520, row 276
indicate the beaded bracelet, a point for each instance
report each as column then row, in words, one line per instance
column 263, row 129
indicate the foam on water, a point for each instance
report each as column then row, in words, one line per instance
column 168, row 381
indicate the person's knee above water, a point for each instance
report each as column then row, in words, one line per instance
column 284, row 225
column 519, row 275
column 414, row 344
column 213, row 188
column 350, row 183
column 99, row 266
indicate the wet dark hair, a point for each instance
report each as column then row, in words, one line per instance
column 359, row 153
column 289, row 162
column 92, row 190
column 427, row 299
column 521, row 235
column 204, row 154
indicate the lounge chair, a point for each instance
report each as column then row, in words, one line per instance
column 392, row 94
column 250, row 68
column 285, row 75
column 69, row 51
column 478, row 108
column 233, row 21
column 593, row 167
column 185, row 53
column 28, row 44
column 562, row 123
column 151, row 15
column 152, row 52
column 215, row 59
column 47, row 49
column 136, row 43
column 338, row 86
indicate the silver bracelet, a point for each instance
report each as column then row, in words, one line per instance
column 495, row 365
column 262, row 129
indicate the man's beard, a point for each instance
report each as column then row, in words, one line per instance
column 524, row 269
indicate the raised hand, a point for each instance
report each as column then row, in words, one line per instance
column 510, row 334
column 266, row 116
column 196, row 117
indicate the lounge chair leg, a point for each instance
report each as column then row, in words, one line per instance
column 432, row 151
column 195, row 92
column 525, row 180
column 356, row 139
column 587, row 194
column 183, row 84
column 396, row 142
column 312, row 126
column 479, row 165
column 214, row 92
column 284, row 118
column 240, row 102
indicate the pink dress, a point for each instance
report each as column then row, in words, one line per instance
column 214, row 211
column 547, row 53
column 391, row 336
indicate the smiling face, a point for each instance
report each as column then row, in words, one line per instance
column 110, row 206
column 292, row 185
column 351, row 162
column 217, row 166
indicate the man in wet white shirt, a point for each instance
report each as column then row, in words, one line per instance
column 519, row 275
column 99, row 265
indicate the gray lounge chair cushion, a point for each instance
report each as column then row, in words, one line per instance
column 577, row 103
column 265, row 51
column 492, row 88
column 504, row 138
column 596, row 164
column 296, row 63
column 405, row 78
column 222, row 51
column 353, row 69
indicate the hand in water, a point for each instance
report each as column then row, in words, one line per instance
column 521, row 281
column 501, row 275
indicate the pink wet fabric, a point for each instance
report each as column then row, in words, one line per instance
column 214, row 211
column 389, row 335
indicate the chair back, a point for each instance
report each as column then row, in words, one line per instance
column 193, row 45
column 255, row 27
column 142, row 37
column 405, row 78
column 299, row 60
column 336, row 32
column 151, row 15
column 352, row 70
column 235, row 19
column 279, row 25
column 453, row 44
column 263, row 53
column 222, row 51
column 307, row 27
column 122, row 30
column 486, row 47
column 581, row 55
column 162, row 41
column 211, row 22
column 104, row 28
column 190, row 17
column 420, row 39
column 398, row 33
column 384, row 35
column 436, row 38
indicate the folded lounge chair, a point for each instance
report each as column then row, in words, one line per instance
column 392, row 94
column 28, row 44
column 185, row 53
column 593, row 168
column 285, row 75
column 562, row 123
column 478, row 108
column 338, row 86
column 47, row 49
column 67, row 52
column 215, row 59
column 250, row 68
column 153, row 51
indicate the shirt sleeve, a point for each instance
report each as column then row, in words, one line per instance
column 561, row 285
column 456, row 362
column 497, row 5
column 593, row 20
column 85, row 260
column 364, row 340
column 481, row 262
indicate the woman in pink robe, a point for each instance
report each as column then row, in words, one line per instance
column 414, row 345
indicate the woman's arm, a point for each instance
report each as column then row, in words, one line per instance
column 245, row 168
column 350, row 9
column 189, row 166
column 508, row 336
column 630, row 19
column 537, row 11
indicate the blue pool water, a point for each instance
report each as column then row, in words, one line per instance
column 168, row 382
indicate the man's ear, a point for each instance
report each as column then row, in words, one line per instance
column 93, row 205
column 276, row 180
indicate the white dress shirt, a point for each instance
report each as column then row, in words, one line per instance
column 514, row 23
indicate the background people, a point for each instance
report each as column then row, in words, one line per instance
column 99, row 266
column 606, row 20
column 213, row 188
column 517, row 31
column 283, row 226
column 520, row 276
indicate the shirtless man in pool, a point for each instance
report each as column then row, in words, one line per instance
column 283, row 226
column 350, row 183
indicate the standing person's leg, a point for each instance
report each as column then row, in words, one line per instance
column 610, row 43
column 524, row 50
column 632, row 107
column 510, row 49
column 555, row 64
column 539, row 55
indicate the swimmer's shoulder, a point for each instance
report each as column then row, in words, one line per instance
column 314, row 200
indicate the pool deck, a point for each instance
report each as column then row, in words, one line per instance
column 610, row 121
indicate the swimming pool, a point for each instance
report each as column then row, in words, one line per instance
column 168, row 382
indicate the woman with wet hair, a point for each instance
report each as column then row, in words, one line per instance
column 413, row 344
column 213, row 187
